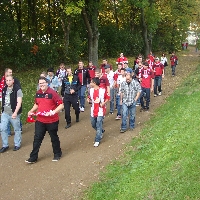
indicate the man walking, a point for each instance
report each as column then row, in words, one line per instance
column 70, row 87
column 11, row 110
column 48, row 104
column 84, row 78
column 174, row 62
column 129, row 93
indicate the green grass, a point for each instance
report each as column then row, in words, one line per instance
column 163, row 162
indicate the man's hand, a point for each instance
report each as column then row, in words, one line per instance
column 14, row 115
column 72, row 91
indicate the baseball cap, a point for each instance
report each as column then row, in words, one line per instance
column 129, row 70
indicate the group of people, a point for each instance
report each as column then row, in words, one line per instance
column 124, row 89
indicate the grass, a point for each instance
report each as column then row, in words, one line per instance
column 163, row 162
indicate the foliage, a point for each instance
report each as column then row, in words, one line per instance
column 58, row 29
column 163, row 162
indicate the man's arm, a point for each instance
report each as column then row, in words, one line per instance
column 19, row 104
column 33, row 109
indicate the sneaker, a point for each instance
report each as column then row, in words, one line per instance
column 122, row 131
column 118, row 117
column 137, row 104
column 56, row 158
column 16, row 148
column 82, row 109
column 159, row 94
column 111, row 113
column 30, row 161
column 68, row 125
column 155, row 95
column 4, row 149
column 96, row 144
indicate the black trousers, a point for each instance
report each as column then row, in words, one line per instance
column 71, row 99
column 40, row 131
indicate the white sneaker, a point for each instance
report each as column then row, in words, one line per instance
column 155, row 95
column 82, row 109
column 159, row 93
column 118, row 117
column 96, row 144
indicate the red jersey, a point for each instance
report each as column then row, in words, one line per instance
column 97, row 96
column 117, row 73
column 104, row 83
column 46, row 101
column 91, row 71
column 173, row 60
column 146, row 75
column 102, row 67
column 158, row 68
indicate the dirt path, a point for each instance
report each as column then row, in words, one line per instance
column 81, row 162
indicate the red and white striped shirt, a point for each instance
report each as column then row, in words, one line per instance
column 97, row 96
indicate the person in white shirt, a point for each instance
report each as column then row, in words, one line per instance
column 110, row 75
column 120, row 80
column 163, row 60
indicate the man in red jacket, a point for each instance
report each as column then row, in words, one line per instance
column 174, row 62
column 158, row 69
column 147, row 82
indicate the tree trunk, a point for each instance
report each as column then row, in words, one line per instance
column 91, row 23
column 145, row 34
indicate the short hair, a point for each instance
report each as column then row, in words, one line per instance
column 43, row 78
column 45, row 74
column 123, row 69
column 97, row 70
column 68, row 67
column 96, row 81
column 6, row 69
column 145, row 63
column 10, row 76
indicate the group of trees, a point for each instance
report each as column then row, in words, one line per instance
column 46, row 32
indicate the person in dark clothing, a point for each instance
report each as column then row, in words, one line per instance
column 84, row 79
column 69, row 92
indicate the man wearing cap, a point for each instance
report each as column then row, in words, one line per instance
column 102, row 67
column 110, row 75
column 129, row 93
column 54, row 82
column 158, row 69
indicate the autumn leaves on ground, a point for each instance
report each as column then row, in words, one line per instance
column 81, row 163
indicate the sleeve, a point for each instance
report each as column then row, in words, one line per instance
column 107, row 82
column 88, row 76
column 57, row 99
column 62, row 88
column 19, row 93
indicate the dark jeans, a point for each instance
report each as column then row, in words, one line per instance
column 173, row 69
column 157, row 84
column 145, row 94
column 40, row 131
column 68, row 101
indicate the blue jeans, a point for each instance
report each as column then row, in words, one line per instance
column 112, row 99
column 119, row 107
column 97, row 123
column 128, row 110
column 157, row 84
column 5, row 120
column 81, row 94
column 145, row 94
column 9, row 128
column 173, row 69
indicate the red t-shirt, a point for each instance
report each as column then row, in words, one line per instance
column 91, row 71
column 49, row 100
column 104, row 82
column 146, row 75
column 158, row 68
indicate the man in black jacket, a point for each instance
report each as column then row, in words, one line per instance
column 84, row 79
column 11, row 110
column 69, row 90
